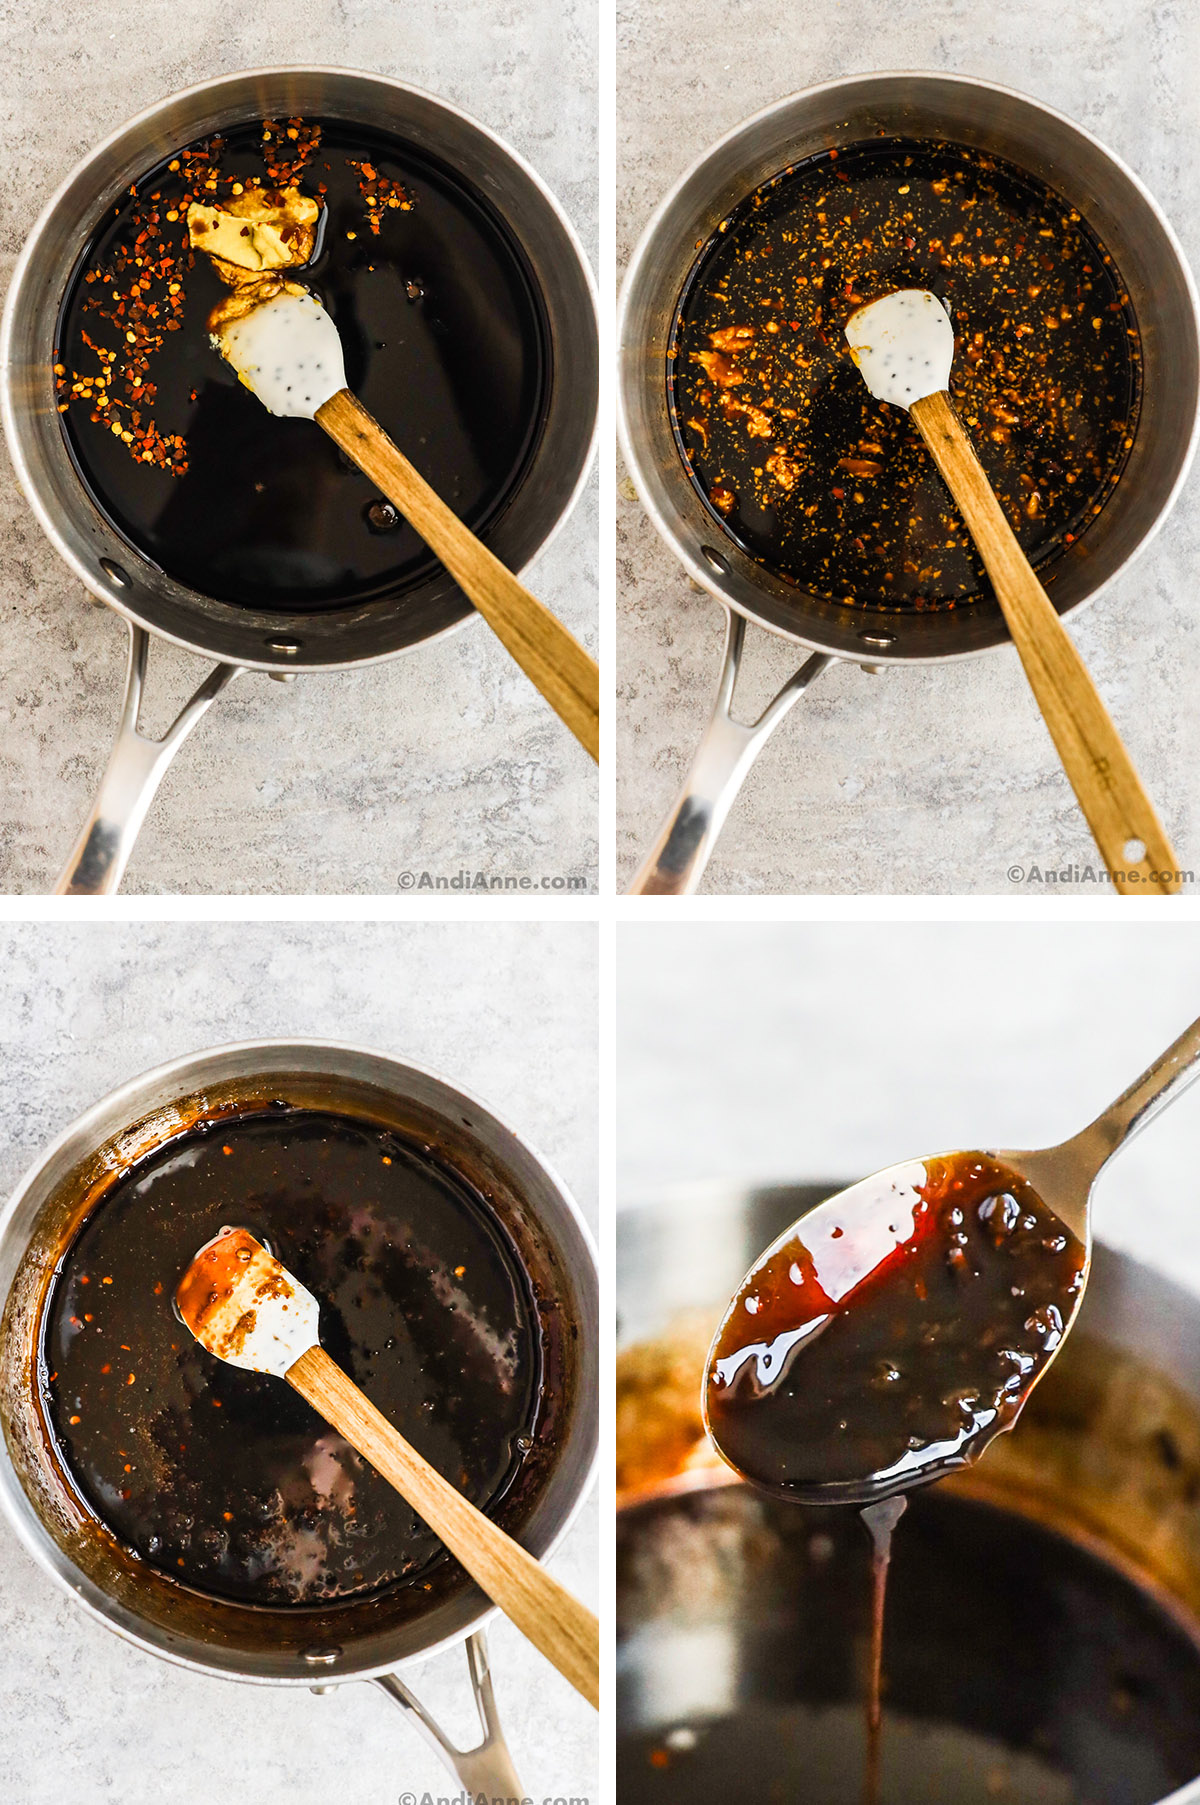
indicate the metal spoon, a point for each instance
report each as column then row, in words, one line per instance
column 863, row 1235
column 903, row 345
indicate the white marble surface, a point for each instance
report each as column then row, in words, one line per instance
column 796, row 1052
column 921, row 780
column 337, row 782
column 505, row 1009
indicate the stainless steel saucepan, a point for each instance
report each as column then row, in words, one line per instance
column 240, row 639
column 318, row 1648
column 949, row 107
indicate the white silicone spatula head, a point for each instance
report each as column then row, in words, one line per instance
column 246, row 1308
column 903, row 345
column 277, row 336
column 288, row 352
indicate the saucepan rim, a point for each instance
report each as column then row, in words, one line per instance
column 128, row 1100
column 144, row 121
column 638, row 458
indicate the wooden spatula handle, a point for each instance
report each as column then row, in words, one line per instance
column 563, row 1629
column 555, row 663
column 1101, row 772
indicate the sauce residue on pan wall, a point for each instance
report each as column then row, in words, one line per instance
column 828, row 488
column 896, row 1347
column 226, row 1480
column 445, row 342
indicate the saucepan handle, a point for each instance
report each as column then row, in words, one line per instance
column 135, row 768
column 724, row 756
column 487, row 1768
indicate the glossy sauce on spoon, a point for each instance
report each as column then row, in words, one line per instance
column 890, row 1344
column 876, row 1347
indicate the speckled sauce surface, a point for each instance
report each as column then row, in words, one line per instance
column 813, row 477
column 500, row 1009
column 192, row 468
column 226, row 1480
column 439, row 761
column 927, row 779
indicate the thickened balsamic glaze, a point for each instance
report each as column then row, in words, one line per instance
column 445, row 343
column 889, row 1347
column 827, row 487
column 227, row 1480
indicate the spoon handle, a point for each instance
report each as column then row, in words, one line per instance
column 555, row 663
column 1162, row 1083
column 1117, row 808
column 565, row 1631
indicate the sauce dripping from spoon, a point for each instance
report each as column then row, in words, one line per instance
column 880, row 1520
column 885, row 1339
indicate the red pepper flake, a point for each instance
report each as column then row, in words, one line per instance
column 379, row 193
column 138, row 293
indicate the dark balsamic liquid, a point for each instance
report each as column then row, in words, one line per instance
column 883, row 1347
column 834, row 491
column 226, row 1480
column 445, row 343
column 1022, row 1668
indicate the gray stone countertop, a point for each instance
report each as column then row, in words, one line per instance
column 925, row 779
column 502, row 1009
column 439, row 760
